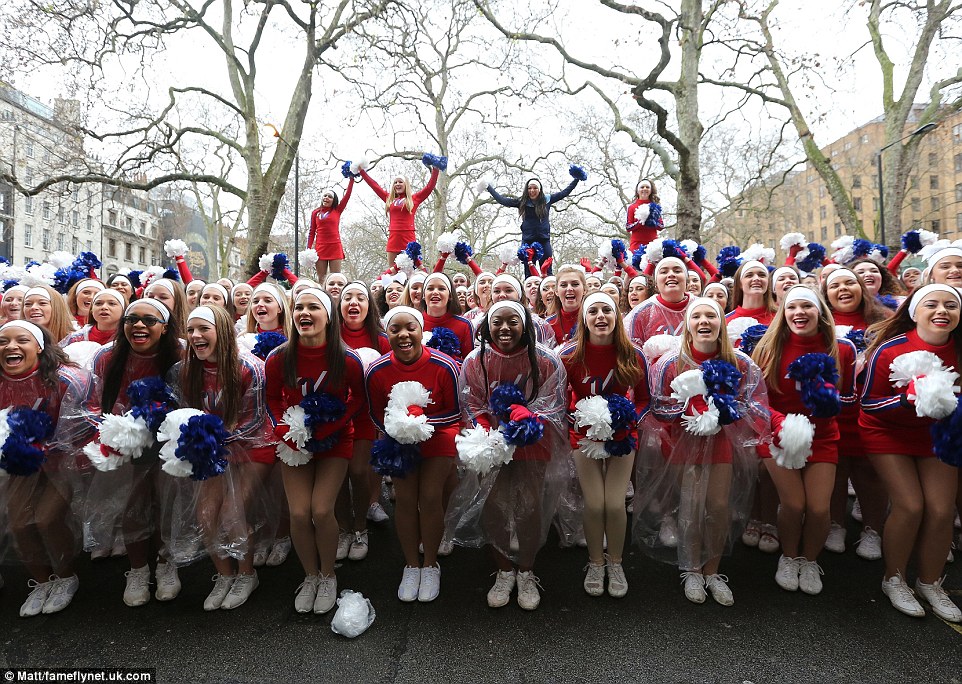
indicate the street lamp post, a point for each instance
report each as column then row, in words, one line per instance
column 297, row 194
column 878, row 164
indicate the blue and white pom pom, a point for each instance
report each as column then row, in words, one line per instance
column 444, row 340
column 810, row 258
column 398, row 423
column 578, row 172
column 518, row 433
column 738, row 326
column 592, row 413
column 446, row 242
column 463, row 251
column 266, row 342
column 844, row 249
column 722, row 381
column 657, row 346
column 685, row 387
column 642, row 211
column 193, row 444
column 391, row 458
column 728, row 260
column 480, row 449
column 440, row 163
column 404, row 263
column 22, row 434
column 935, row 390
column 358, row 164
column 759, row 252
column 914, row 240
column 605, row 417
column 751, row 337
column 795, row 440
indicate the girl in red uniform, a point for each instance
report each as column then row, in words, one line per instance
column 663, row 313
column 44, row 306
column 784, row 278
column 752, row 295
column 482, row 295
column 710, row 475
column 921, row 488
column 106, row 310
column 268, row 311
column 325, row 233
column 547, row 296
column 571, row 288
column 506, row 287
column 11, row 305
column 803, row 325
column 315, row 365
column 400, row 204
column 440, row 311
column 80, row 298
column 643, row 224
column 418, row 510
column 719, row 293
column 215, row 294
column 240, row 297
column 601, row 361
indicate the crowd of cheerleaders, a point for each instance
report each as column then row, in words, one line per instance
column 173, row 420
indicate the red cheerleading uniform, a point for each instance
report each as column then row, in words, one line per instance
column 640, row 234
column 139, row 366
column 325, row 234
column 853, row 319
column 850, row 443
column 761, row 314
column 252, row 438
column 787, row 399
column 356, row 339
column 887, row 426
column 595, row 376
column 438, row 373
column 564, row 324
column 655, row 316
column 400, row 220
column 456, row 324
column 89, row 333
column 312, row 376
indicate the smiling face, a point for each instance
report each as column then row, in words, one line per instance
column 327, row 200
column 459, row 280
column 694, row 283
column 85, row 298
column 202, row 337
column 162, row 295
column 947, row 271
column 123, row 286
column 844, row 294
column 404, row 334
column 704, row 326
column 416, row 293
column 531, row 290
column 310, row 319
column 533, row 189
column 802, row 317
column 12, row 305
column 636, row 293
column 37, row 309
column 19, row 351
column 266, row 310
column 785, row 281
column 399, row 186
column 600, row 321
column 754, row 282
column 334, row 285
column 571, row 291
column 193, row 292
column 484, row 286
column 242, row 297
column 912, row 278
column 107, row 312
column 719, row 295
column 871, row 276
column 592, row 284
column 505, row 291
column 354, row 307
column 670, row 281
column 507, row 329
column 392, row 294
column 143, row 327
column 644, row 190
column 937, row 316
column 436, row 297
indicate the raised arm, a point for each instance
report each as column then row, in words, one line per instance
column 503, row 200
column 555, row 196
column 426, row 191
column 378, row 190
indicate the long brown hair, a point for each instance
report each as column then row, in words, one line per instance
column 283, row 318
column 628, row 370
column 870, row 308
column 901, row 323
column 61, row 322
column 738, row 295
column 890, row 284
column 227, row 361
column 653, row 197
column 454, row 308
column 335, row 354
column 725, row 350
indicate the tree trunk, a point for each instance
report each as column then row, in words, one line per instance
column 690, row 128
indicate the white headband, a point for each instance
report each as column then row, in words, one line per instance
column 403, row 309
column 39, row 291
column 480, row 276
column 530, row 278
column 354, row 287
column 417, row 277
column 912, row 268
column 838, row 273
column 923, row 292
column 782, row 270
column 942, row 253
column 234, row 289
column 167, row 284
column 510, row 280
column 204, row 313
column 16, row 288
column 269, row 289
column 321, row 295
column 220, row 288
column 669, row 261
column 157, row 304
column 641, row 279
column 29, row 327
column 752, row 263
column 506, row 304
column 110, row 292
column 711, row 285
column 547, row 281
column 595, row 297
column 90, row 282
column 802, row 292
column 436, row 276
column 118, row 276
column 703, row 301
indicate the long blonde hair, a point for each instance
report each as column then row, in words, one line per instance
column 628, row 369
column 408, row 199
column 725, row 350
column 283, row 318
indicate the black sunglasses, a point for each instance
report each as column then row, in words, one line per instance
column 149, row 321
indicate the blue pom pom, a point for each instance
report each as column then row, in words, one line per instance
column 912, row 242
column 441, row 163
column 22, row 452
column 32, row 262
column 321, row 407
column 728, row 260
column 445, row 341
column 817, row 377
column 7, row 284
column 279, row 265
column 816, row 255
column 861, row 247
column 65, row 278
column 346, row 169
column 150, row 399
column 700, row 254
column 621, row 447
column 87, row 261
column 201, row 443
column 522, row 433
column 463, row 252
column 503, row 397
column 722, row 380
column 171, row 274
column 857, row 337
column 393, row 459
column 4, row 260
column 946, row 436
column 134, row 278
column 636, row 256
column 618, row 250
column 578, row 172
column 751, row 337
column 413, row 250
column 623, row 416
column 670, row 248
column 654, row 216
column 881, row 249
column 267, row 342
column 888, row 301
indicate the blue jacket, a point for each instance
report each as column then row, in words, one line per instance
column 533, row 227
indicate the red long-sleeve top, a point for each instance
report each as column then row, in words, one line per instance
column 400, row 220
column 761, row 314
column 655, row 316
column 325, row 234
column 459, row 326
column 640, row 234
column 356, row 339
column 564, row 324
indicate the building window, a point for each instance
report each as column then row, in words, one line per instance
column 75, row 245
column 46, row 239
column 916, row 205
column 822, row 212
column 957, row 133
column 29, row 149
column 75, row 218
column 864, row 137
column 112, row 247
column 958, row 192
column 28, row 205
column 28, row 235
column 838, row 228
column 958, row 222
column 936, row 204
column 933, row 182
column 857, row 203
column 90, row 245
column 75, row 195
column 28, row 174
column 143, row 227
column 142, row 253
column 128, row 251
column 61, row 242
column 46, row 210
column 112, row 217
column 61, row 215
column 824, row 233
column 957, row 159
column 90, row 223
column 913, row 182
column 856, row 182
column 129, row 224
column 933, row 158
column 875, row 204
column 936, row 225
column 821, row 191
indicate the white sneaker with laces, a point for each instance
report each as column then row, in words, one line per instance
column 500, row 594
column 430, row 583
column 305, row 594
column 376, row 513
column 359, row 547
column 869, row 544
column 857, row 511
column 326, row 594
column 617, row 582
column 835, row 542
column 344, row 541
column 668, row 533
column 168, row 582
column 694, row 583
column 137, row 592
column 809, row 580
column 718, row 588
column 851, row 488
column 410, row 585
column 595, row 579
column 61, row 593
column 240, row 590
column 901, row 597
column 222, row 585
column 786, row 576
column 279, row 552
column 37, row 597
column 260, row 556
column 529, row 597
column 768, row 539
column 752, row 534
column 939, row 600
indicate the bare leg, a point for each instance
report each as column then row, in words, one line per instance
column 791, row 494
column 358, row 472
column 592, row 479
column 819, row 480
column 872, row 496
column 901, row 480
column 939, row 487
column 299, row 488
column 433, row 474
column 328, row 476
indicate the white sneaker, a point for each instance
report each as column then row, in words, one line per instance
column 809, row 580
column 445, row 548
column 500, row 593
column 305, row 594
column 595, row 579
column 168, row 582
column 376, row 513
column 768, row 539
column 851, row 488
column 786, row 576
column 240, row 590
column 37, row 597
column 835, row 541
column 137, row 592
column 222, row 585
column 344, row 541
column 359, row 547
column 279, row 552
column 694, row 583
column 260, row 556
column 902, row 598
column 668, row 533
column 410, row 585
column 752, row 534
column 857, row 511
column 326, row 594
column 529, row 597
column 430, row 584
column 939, row 600
column 718, row 588
column 61, row 593
column 617, row 582
column 630, row 492
column 869, row 544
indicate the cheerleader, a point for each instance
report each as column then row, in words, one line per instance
column 637, row 291
column 418, row 509
column 602, row 362
column 570, row 295
column 394, row 291
column 802, row 326
column 508, row 288
column 268, row 311
column 644, row 215
column 325, row 233
column 400, row 204
column 45, row 307
column 11, row 306
column 80, row 297
column 215, row 294
column 460, row 280
column 719, row 293
column 752, row 296
column 414, row 290
column 106, row 310
column 945, row 267
column 194, row 288
column 532, row 289
column 694, row 286
column 240, row 298
column 171, row 294
column 440, row 311
column 118, row 281
column 663, row 313
column 36, row 378
column 921, row 488
column 518, row 497
column 708, row 470
column 333, row 284
column 878, row 281
column 315, row 367
column 547, row 297
column 784, row 278
column 911, row 278
column 592, row 284
column 482, row 295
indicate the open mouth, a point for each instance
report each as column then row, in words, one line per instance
column 353, row 312
column 201, row 346
column 13, row 360
column 505, row 337
column 305, row 323
column 405, row 345
column 704, row 330
column 940, row 322
column 140, row 337
column 800, row 322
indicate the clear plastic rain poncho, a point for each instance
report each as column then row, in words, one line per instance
column 651, row 318
column 51, row 492
column 231, row 512
column 705, row 483
column 520, row 497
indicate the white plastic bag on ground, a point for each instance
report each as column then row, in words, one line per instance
column 354, row 614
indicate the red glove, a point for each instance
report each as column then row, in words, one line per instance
column 415, row 410
column 106, row 451
column 792, row 253
column 519, row 412
column 696, row 405
column 620, row 435
column 909, row 396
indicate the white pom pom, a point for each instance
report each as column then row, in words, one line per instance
column 4, row 426
column 654, row 252
column 480, row 450
column 844, row 252
column 592, row 413
column 593, row 449
column 689, row 246
column 642, row 211
column 398, row 423
column 906, row 367
column 509, row 254
column 360, row 163
column 425, row 338
column 61, row 259
column 295, row 418
column 795, row 438
column 738, row 326
column 842, row 330
column 81, row 353
column 104, row 463
column 659, row 345
column 687, row 385
column 151, row 273
column 702, row 424
column 927, row 237
column 247, row 341
column 368, row 356
column 41, row 274
column 759, row 252
column 482, row 184
column 791, row 239
column 293, row 457
column 446, row 242
column 126, row 434
column 172, row 465
column 935, row 394
column 928, row 250
column 604, row 251
column 175, row 248
column 266, row 262
column 308, row 257
column 843, row 242
column 404, row 263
